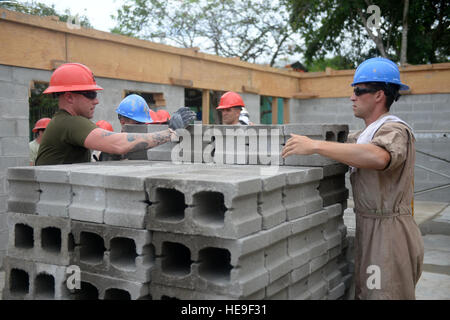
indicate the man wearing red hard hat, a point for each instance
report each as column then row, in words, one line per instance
column 70, row 135
column 38, row 130
column 233, row 109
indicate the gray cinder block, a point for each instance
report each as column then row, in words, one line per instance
column 39, row 239
column 28, row 280
column 200, row 202
column 117, row 252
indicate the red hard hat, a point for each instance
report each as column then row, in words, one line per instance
column 230, row 99
column 162, row 116
column 41, row 124
column 154, row 116
column 72, row 77
column 105, row 125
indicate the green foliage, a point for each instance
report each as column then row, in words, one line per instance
column 41, row 105
column 252, row 30
column 336, row 63
column 40, row 9
column 336, row 27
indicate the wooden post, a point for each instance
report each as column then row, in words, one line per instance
column 274, row 110
column 205, row 106
column 286, row 114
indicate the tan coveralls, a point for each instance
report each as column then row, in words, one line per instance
column 386, row 234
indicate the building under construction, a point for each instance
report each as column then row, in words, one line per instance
column 227, row 227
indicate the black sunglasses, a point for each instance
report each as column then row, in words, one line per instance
column 359, row 91
column 88, row 94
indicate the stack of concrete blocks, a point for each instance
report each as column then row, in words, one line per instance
column 148, row 229
column 65, row 216
column 241, row 145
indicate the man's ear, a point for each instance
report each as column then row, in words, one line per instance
column 380, row 96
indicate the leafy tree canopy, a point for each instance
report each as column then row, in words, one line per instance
column 252, row 30
column 40, row 9
column 333, row 27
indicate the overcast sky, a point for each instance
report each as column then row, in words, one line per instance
column 97, row 11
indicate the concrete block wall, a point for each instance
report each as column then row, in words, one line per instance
column 429, row 116
column 138, row 259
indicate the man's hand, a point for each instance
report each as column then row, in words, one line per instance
column 298, row 145
column 181, row 118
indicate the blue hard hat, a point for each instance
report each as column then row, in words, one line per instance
column 135, row 107
column 378, row 70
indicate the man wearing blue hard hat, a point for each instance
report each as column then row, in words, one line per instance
column 70, row 135
column 388, row 244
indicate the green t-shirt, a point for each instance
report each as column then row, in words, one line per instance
column 63, row 140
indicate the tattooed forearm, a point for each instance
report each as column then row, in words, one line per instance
column 107, row 133
column 140, row 146
column 131, row 137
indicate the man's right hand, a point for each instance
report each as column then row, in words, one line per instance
column 181, row 118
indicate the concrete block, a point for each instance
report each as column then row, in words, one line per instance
column 277, row 290
column 117, row 252
column 54, row 200
column 7, row 128
column 336, row 292
column 318, row 262
column 28, row 280
column 277, row 261
column 299, row 290
column 39, row 239
column 301, row 200
column 298, row 249
column 23, row 196
column 222, row 266
column 219, row 205
column 98, row 286
column 3, row 203
column 271, row 208
column 14, row 146
column 21, row 107
column 126, row 208
column 164, row 292
column 88, row 203
column 299, row 273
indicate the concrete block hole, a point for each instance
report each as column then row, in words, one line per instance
column 171, row 204
column 123, row 253
column 19, row 282
column 342, row 136
column 86, row 292
column 92, row 248
column 51, row 239
column 44, row 287
column 330, row 136
column 209, row 208
column 176, row 259
column 117, row 294
column 24, row 237
column 214, row 264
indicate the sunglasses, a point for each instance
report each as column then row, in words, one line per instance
column 359, row 91
column 91, row 95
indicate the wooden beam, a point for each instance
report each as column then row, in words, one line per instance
column 205, row 106
column 250, row 89
column 181, row 82
column 274, row 110
column 304, row 95
column 286, row 111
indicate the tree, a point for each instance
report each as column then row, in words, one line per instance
column 341, row 28
column 252, row 30
column 40, row 9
